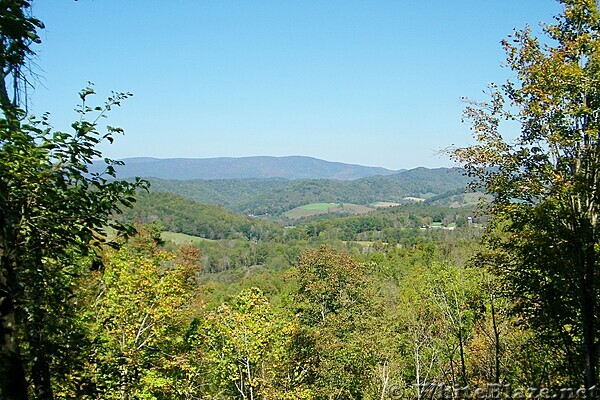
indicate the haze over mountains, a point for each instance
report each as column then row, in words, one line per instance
column 291, row 167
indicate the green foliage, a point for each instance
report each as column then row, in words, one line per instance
column 225, row 316
column 362, row 191
column 244, row 349
column 18, row 33
column 178, row 214
column 545, row 182
column 441, row 304
column 137, row 310
column 385, row 224
column 255, row 243
column 224, row 192
column 336, row 306
column 52, row 211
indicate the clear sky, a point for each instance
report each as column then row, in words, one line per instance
column 367, row 82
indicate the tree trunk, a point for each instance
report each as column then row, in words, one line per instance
column 587, row 263
column 40, row 369
column 5, row 103
column 13, row 385
column 496, row 341
column 463, row 366
column 40, row 373
column 38, row 341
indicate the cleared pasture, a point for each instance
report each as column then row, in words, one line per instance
column 180, row 238
column 308, row 210
column 382, row 204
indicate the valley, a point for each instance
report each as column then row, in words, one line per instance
column 294, row 277
column 275, row 196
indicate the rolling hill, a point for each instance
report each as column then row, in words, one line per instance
column 276, row 196
column 181, row 215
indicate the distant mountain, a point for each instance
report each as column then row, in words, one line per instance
column 292, row 167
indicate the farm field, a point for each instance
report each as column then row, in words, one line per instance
column 414, row 199
column 181, row 238
column 382, row 204
column 468, row 199
column 311, row 209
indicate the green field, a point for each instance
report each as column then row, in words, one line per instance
column 474, row 198
column 311, row 209
column 414, row 199
column 319, row 206
column 180, row 238
column 381, row 204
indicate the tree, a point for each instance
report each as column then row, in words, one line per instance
column 51, row 210
column 454, row 292
column 336, row 305
column 243, row 347
column 438, row 307
column 138, row 309
column 545, row 181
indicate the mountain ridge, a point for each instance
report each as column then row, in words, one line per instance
column 260, row 167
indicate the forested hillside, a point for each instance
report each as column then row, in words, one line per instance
column 275, row 196
column 178, row 214
column 225, row 192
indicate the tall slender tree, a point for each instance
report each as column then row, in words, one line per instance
column 545, row 179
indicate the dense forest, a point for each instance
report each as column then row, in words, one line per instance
column 207, row 289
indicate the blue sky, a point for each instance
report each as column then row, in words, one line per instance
column 367, row 82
